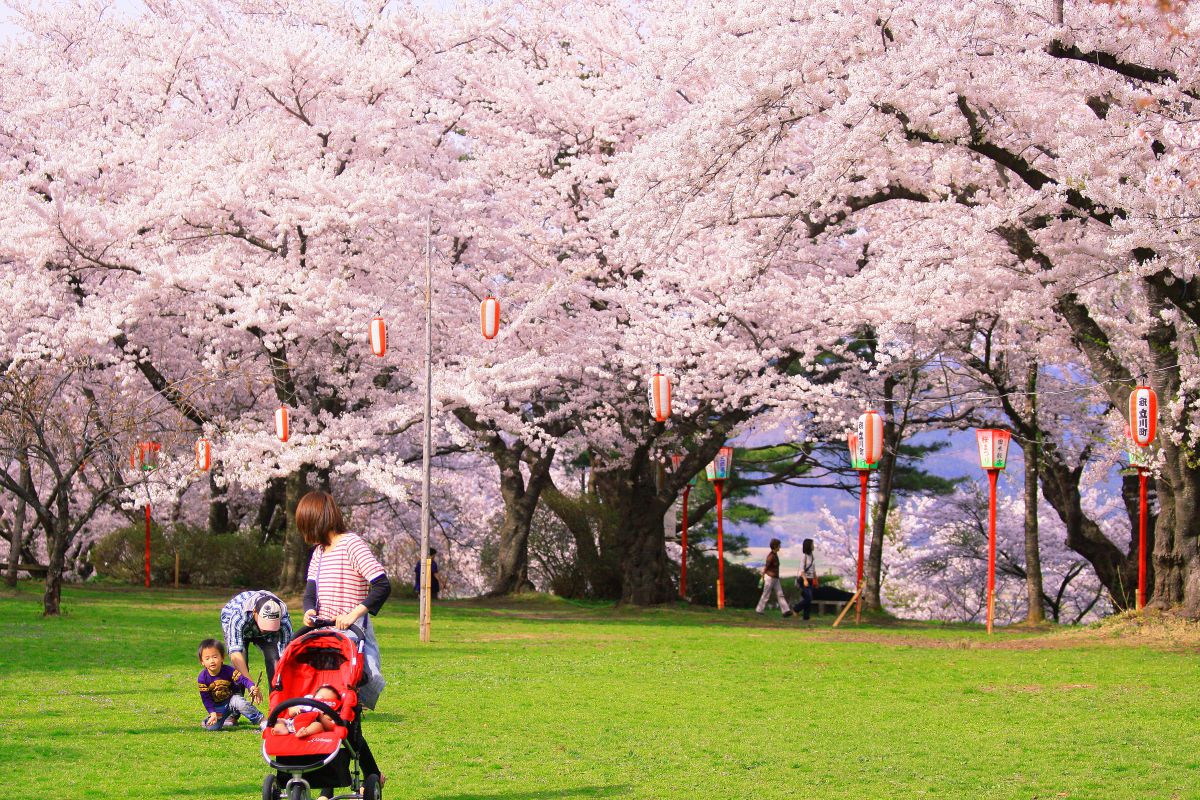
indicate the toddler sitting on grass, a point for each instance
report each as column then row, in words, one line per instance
column 217, row 683
column 305, row 721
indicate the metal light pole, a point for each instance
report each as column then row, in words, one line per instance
column 426, row 569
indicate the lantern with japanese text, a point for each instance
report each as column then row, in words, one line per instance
column 660, row 397
column 281, row 423
column 489, row 317
column 378, row 337
column 869, row 440
column 1143, row 415
column 203, row 454
column 718, row 469
column 145, row 456
column 993, row 447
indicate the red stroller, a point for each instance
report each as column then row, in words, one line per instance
column 320, row 657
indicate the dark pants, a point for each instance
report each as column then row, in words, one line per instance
column 806, row 598
column 270, row 654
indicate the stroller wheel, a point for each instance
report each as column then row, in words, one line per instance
column 371, row 788
column 269, row 790
column 298, row 791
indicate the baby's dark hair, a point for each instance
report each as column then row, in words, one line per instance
column 210, row 644
column 331, row 688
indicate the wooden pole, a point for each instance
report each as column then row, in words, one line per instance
column 846, row 607
column 176, row 569
column 423, row 614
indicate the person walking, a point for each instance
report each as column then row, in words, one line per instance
column 435, row 586
column 260, row 618
column 807, row 578
column 346, row 586
column 771, row 583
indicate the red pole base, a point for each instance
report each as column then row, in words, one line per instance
column 720, row 548
column 147, row 545
column 1141, row 595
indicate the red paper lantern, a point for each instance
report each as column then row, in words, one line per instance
column 378, row 337
column 869, row 440
column 145, row 456
column 1143, row 415
column 489, row 316
column 281, row 423
column 660, row 397
column 203, row 454
column 993, row 447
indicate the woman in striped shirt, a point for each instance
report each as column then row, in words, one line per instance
column 346, row 583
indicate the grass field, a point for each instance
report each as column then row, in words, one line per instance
column 546, row 699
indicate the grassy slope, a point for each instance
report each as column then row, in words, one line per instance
column 550, row 700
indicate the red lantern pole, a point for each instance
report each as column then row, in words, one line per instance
column 683, row 561
column 147, row 544
column 720, row 549
column 1141, row 598
column 863, row 477
column 991, row 598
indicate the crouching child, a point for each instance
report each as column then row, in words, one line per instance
column 219, row 684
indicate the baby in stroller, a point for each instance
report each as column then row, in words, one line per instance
column 314, row 694
column 304, row 721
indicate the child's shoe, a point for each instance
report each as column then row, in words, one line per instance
column 229, row 722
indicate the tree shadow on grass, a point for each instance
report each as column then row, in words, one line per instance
column 546, row 794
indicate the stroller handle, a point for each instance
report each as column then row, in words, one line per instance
column 317, row 624
column 312, row 702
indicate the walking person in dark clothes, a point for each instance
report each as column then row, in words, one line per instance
column 807, row 578
column 435, row 585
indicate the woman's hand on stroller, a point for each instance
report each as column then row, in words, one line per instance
column 310, row 616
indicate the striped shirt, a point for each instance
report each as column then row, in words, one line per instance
column 237, row 622
column 343, row 575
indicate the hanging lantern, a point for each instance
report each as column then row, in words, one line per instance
column 378, row 337
column 1143, row 415
column 281, row 423
column 203, row 454
column 869, row 441
column 993, row 447
column 720, row 467
column 489, row 315
column 145, row 456
column 660, row 397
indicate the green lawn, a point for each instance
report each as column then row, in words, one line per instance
column 546, row 699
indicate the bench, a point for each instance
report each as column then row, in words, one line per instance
column 36, row 570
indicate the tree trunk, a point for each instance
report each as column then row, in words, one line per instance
column 272, row 497
column 295, row 551
column 14, row 549
column 885, row 475
column 1176, row 533
column 218, row 502
column 52, row 596
column 584, row 517
column 1116, row 570
column 1036, row 612
column 646, row 574
column 520, row 503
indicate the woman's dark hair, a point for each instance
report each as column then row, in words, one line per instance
column 318, row 517
column 807, row 547
column 775, row 543
column 210, row 644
